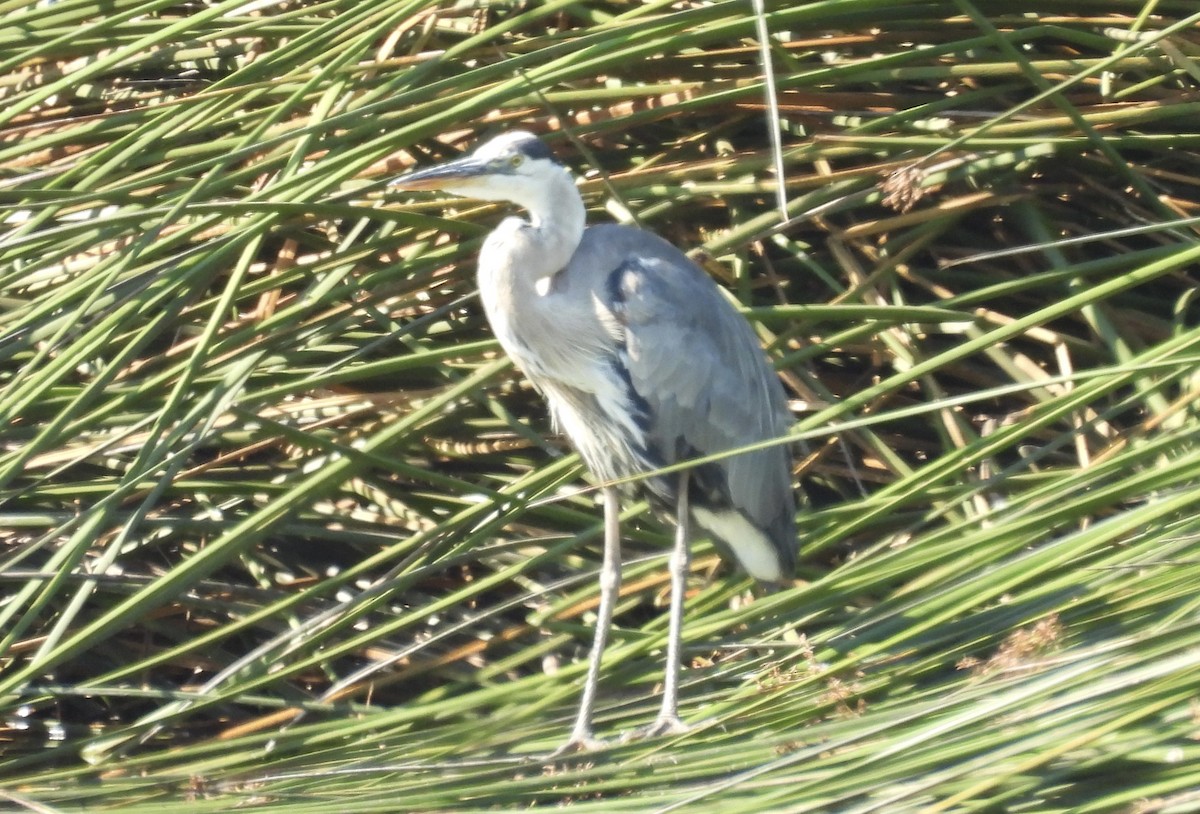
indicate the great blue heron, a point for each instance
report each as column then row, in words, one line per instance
column 644, row 364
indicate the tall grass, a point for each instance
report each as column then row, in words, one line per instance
column 282, row 528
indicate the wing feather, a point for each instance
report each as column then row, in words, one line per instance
column 698, row 365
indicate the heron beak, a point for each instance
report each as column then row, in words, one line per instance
column 445, row 177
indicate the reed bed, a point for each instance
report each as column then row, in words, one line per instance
column 281, row 529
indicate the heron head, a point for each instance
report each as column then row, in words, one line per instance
column 514, row 166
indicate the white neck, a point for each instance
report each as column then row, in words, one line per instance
column 558, row 214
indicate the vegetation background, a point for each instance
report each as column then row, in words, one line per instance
column 281, row 529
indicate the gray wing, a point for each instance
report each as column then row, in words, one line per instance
column 708, row 388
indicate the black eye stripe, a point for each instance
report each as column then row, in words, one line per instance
column 534, row 148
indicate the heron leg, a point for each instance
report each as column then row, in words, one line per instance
column 582, row 739
column 667, row 722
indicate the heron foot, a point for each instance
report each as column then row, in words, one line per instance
column 663, row 725
column 578, row 743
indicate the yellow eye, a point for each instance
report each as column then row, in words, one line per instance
column 516, row 160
